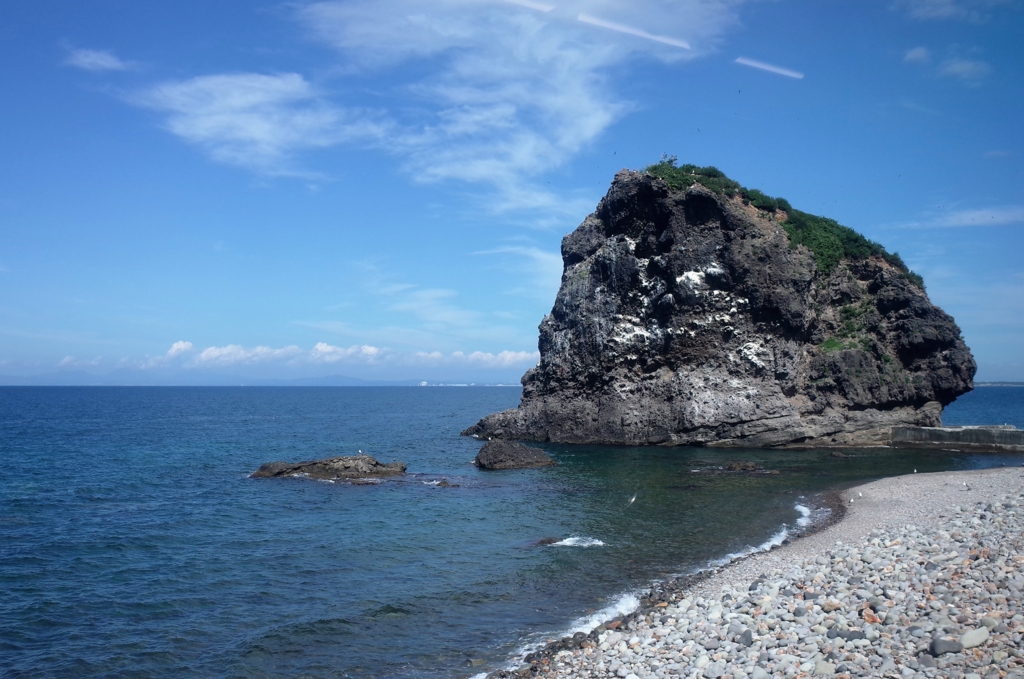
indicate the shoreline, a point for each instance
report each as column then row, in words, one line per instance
column 886, row 506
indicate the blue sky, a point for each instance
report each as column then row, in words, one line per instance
column 205, row 192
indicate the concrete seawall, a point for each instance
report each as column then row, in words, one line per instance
column 1005, row 438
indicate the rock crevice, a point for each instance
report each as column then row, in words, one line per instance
column 686, row 318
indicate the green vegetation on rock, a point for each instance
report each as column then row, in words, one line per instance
column 829, row 240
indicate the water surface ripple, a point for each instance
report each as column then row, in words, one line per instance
column 132, row 542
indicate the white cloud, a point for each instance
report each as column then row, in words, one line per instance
column 970, row 10
column 236, row 354
column 480, row 359
column 256, row 121
column 502, row 90
column 326, row 353
column 967, row 70
column 178, row 348
column 96, row 61
column 918, row 55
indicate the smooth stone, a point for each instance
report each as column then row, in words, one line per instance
column 974, row 637
column 715, row 669
column 822, row 668
column 942, row 646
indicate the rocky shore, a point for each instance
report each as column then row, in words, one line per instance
column 923, row 577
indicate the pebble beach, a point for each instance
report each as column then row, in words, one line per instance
column 922, row 577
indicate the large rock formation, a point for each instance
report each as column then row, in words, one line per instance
column 686, row 318
column 333, row 468
column 511, row 455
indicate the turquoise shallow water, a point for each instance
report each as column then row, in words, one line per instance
column 132, row 542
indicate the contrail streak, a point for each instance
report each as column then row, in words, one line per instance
column 539, row 6
column 594, row 21
column 768, row 67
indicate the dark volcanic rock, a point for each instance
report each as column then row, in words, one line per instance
column 685, row 318
column 511, row 455
column 354, row 467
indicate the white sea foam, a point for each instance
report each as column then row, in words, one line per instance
column 578, row 542
column 805, row 516
column 625, row 604
column 431, row 483
column 774, row 541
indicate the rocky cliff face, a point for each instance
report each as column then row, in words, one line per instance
column 685, row 318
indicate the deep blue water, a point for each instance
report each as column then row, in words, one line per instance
column 132, row 542
column 987, row 405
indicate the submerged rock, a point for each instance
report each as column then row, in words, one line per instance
column 686, row 317
column 511, row 455
column 349, row 468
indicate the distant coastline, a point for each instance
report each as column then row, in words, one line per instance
column 999, row 384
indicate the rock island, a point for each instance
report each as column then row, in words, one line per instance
column 693, row 311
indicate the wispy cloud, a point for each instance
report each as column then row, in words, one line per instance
column 970, row 10
column 503, row 91
column 970, row 71
column 914, row 106
column 918, row 55
column 991, row 216
column 997, row 153
column 541, row 269
column 256, row 121
column 70, row 362
column 778, row 70
column 96, row 61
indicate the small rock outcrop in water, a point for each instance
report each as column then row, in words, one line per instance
column 687, row 317
column 352, row 467
column 511, row 455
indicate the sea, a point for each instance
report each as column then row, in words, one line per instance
column 134, row 544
